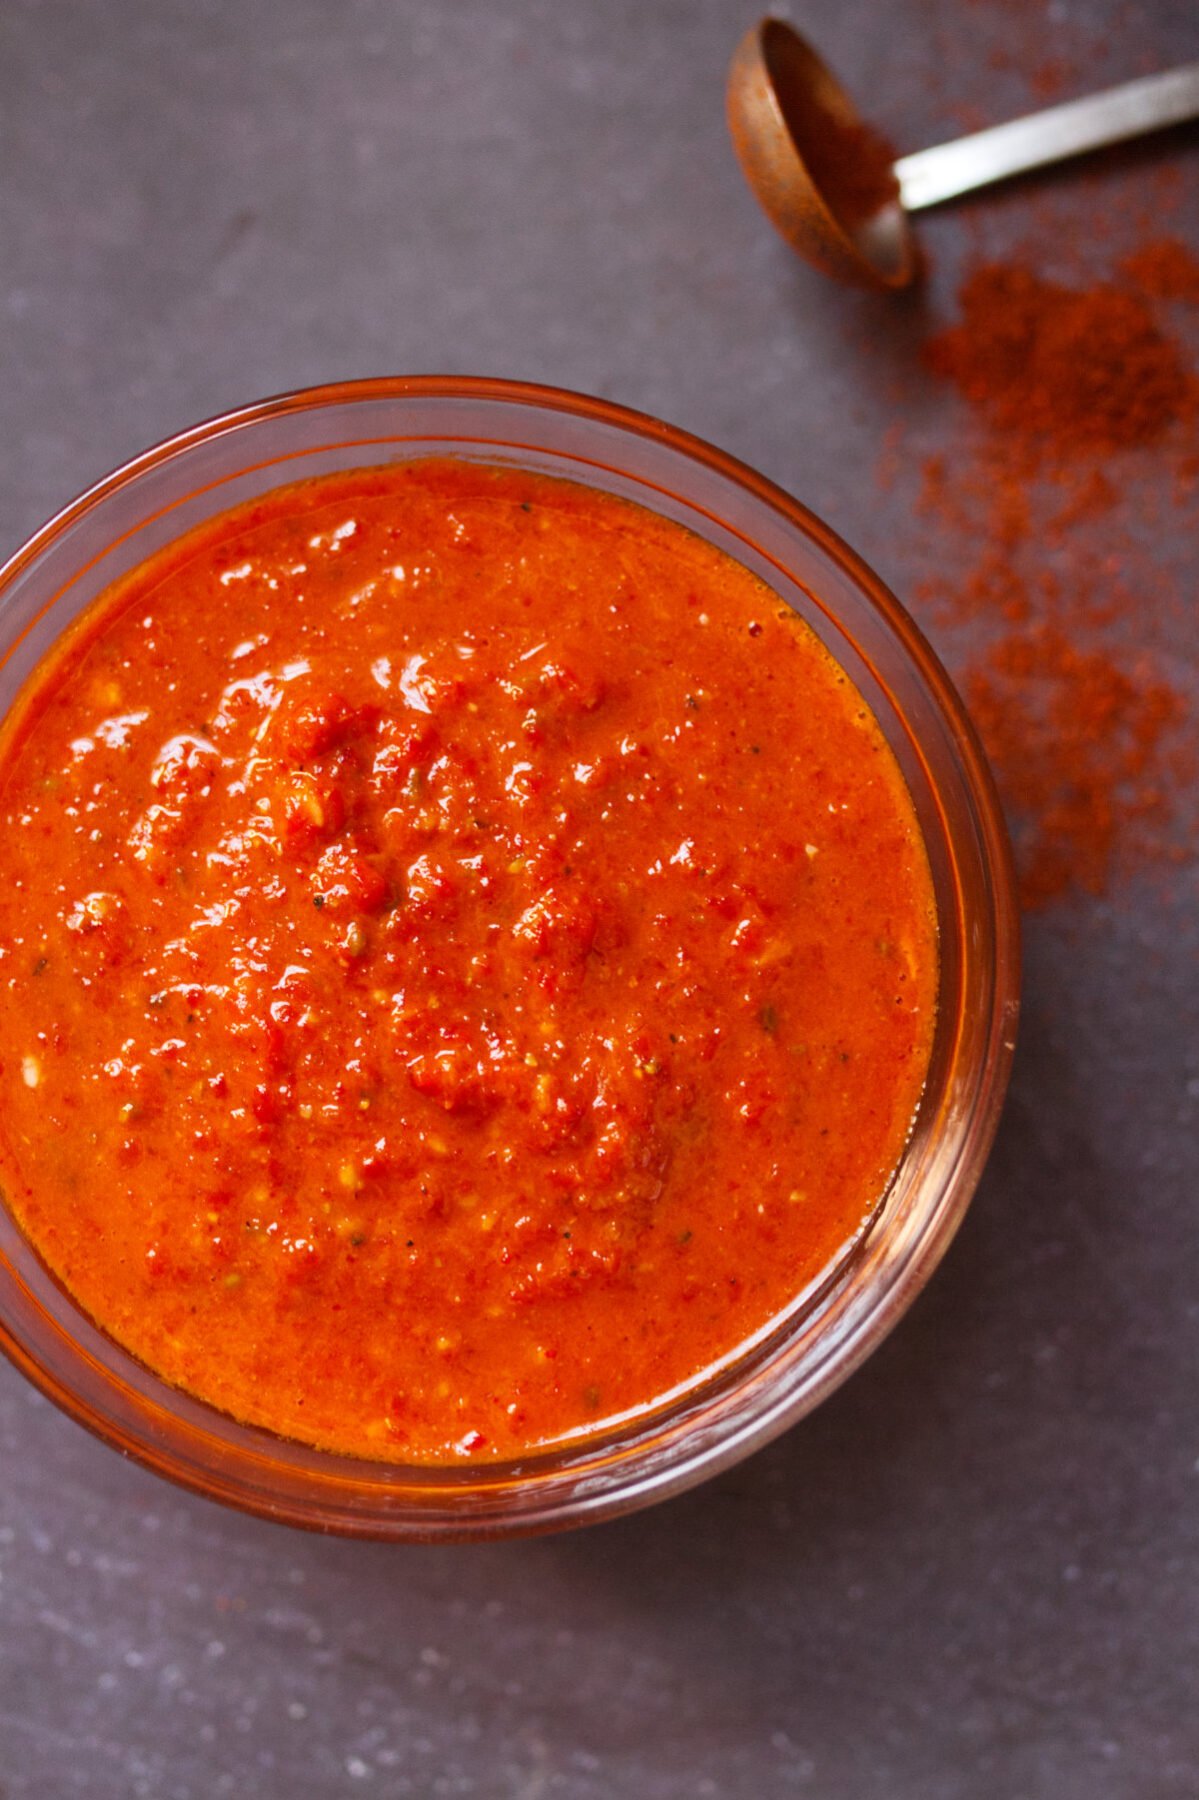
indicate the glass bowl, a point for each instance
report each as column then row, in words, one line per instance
column 803, row 1354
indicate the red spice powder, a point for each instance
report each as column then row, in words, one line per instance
column 854, row 167
column 1078, row 369
column 1074, row 394
column 1077, row 741
column 1166, row 269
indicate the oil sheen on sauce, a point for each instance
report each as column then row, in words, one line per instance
column 467, row 961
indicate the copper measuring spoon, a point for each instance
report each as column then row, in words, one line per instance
column 831, row 185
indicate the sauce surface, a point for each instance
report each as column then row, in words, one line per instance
column 467, row 961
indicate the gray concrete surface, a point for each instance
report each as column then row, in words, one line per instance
column 972, row 1574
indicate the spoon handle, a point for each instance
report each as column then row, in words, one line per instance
column 930, row 176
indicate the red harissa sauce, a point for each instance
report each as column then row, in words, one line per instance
column 467, row 961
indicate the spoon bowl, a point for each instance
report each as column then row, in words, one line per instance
column 824, row 177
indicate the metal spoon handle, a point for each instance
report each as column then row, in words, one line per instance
column 930, row 176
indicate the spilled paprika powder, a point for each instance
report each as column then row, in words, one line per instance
column 1071, row 389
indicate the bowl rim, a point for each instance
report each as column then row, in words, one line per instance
column 994, row 851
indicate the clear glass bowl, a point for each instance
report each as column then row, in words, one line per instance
column 802, row 1356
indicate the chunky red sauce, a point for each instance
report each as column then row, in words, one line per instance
column 467, row 961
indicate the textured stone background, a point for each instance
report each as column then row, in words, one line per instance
column 973, row 1572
